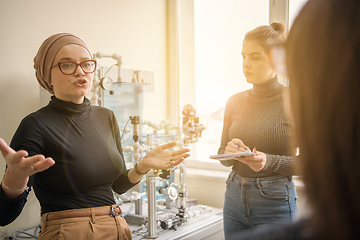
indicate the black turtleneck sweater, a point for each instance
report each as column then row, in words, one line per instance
column 257, row 117
column 84, row 142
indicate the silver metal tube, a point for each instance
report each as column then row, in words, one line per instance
column 138, row 206
column 151, row 194
column 182, row 189
column 150, row 139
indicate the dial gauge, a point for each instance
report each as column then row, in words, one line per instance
column 106, row 83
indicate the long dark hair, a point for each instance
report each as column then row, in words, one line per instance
column 323, row 61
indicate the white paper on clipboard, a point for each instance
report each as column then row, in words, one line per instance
column 230, row 156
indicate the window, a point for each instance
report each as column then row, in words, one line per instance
column 220, row 27
column 294, row 8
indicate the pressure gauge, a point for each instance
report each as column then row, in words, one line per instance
column 106, row 83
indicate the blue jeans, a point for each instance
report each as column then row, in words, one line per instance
column 258, row 203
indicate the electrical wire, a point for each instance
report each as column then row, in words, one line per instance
column 122, row 142
column 128, row 211
column 109, row 69
column 17, row 234
column 124, row 128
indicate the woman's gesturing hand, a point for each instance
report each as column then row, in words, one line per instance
column 159, row 158
column 21, row 166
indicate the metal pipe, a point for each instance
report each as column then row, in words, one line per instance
column 138, row 206
column 151, row 189
column 182, row 190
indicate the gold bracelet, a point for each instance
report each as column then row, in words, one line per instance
column 16, row 190
column 137, row 170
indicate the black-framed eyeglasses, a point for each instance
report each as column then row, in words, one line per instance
column 69, row 67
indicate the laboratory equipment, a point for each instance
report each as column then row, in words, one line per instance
column 123, row 93
column 167, row 209
column 189, row 132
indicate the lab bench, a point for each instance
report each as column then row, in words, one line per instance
column 204, row 222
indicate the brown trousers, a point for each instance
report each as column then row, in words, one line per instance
column 85, row 228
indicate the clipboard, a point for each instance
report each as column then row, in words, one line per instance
column 230, row 156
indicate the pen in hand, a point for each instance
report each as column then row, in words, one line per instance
column 247, row 149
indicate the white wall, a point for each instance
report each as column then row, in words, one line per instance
column 136, row 29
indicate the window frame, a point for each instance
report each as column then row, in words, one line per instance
column 182, row 85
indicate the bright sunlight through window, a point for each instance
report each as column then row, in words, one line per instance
column 220, row 26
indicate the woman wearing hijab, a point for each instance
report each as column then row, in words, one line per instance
column 70, row 152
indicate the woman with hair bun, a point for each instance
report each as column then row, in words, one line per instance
column 260, row 191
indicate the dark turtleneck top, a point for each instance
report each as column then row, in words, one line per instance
column 257, row 117
column 85, row 143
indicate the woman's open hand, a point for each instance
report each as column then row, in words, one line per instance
column 21, row 166
column 159, row 158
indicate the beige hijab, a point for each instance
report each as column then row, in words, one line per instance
column 44, row 58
